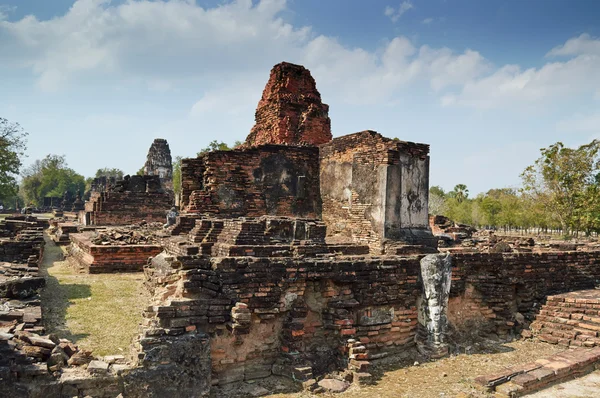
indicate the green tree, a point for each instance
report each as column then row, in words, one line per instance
column 12, row 150
column 460, row 192
column 560, row 180
column 109, row 172
column 219, row 146
column 177, row 175
column 50, row 177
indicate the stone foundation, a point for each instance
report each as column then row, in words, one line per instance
column 92, row 258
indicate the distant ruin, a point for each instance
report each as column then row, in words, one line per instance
column 133, row 199
column 159, row 162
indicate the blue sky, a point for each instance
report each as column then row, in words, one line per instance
column 485, row 83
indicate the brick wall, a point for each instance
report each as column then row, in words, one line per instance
column 121, row 208
column 260, row 312
column 511, row 283
column 267, row 180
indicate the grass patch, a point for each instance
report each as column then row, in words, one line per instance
column 98, row 312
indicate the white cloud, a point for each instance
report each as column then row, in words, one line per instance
column 583, row 44
column 510, row 85
column 149, row 38
column 427, row 21
column 395, row 14
column 170, row 44
column 5, row 10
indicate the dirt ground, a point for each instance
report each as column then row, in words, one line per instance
column 99, row 312
column 449, row 377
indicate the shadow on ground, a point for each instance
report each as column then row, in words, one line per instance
column 57, row 297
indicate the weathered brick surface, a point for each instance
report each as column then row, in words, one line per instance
column 367, row 197
column 121, row 208
column 571, row 319
column 509, row 283
column 524, row 379
column 59, row 231
column 108, row 258
column 290, row 111
column 296, row 304
column 268, row 180
column 293, row 304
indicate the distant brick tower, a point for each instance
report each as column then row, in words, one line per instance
column 160, row 163
column 290, row 111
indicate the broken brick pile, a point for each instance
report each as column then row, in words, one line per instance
column 136, row 234
column 28, row 354
column 290, row 111
column 569, row 319
column 59, row 231
column 521, row 380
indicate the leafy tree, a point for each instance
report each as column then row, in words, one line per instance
column 561, row 179
column 177, row 175
column 50, row 177
column 12, row 150
column 437, row 201
column 109, row 172
column 437, row 190
column 219, row 146
column 460, row 192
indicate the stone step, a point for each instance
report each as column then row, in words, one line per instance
column 524, row 379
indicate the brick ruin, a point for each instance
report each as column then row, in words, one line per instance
column 300, row 255
column 267, row 180
column 375, row 191
column 159, row 162
column 290, row 111
column 131, row 200
column 93, row 258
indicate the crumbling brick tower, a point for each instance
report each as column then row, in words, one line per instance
column 160, row 163
column 290, row 111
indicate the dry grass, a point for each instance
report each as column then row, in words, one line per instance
column 98, row 312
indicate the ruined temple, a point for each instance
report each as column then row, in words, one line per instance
column 290, row 111
column 303, row 256
column 159, row 162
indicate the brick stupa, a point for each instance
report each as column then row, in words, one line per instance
column 290, row 111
